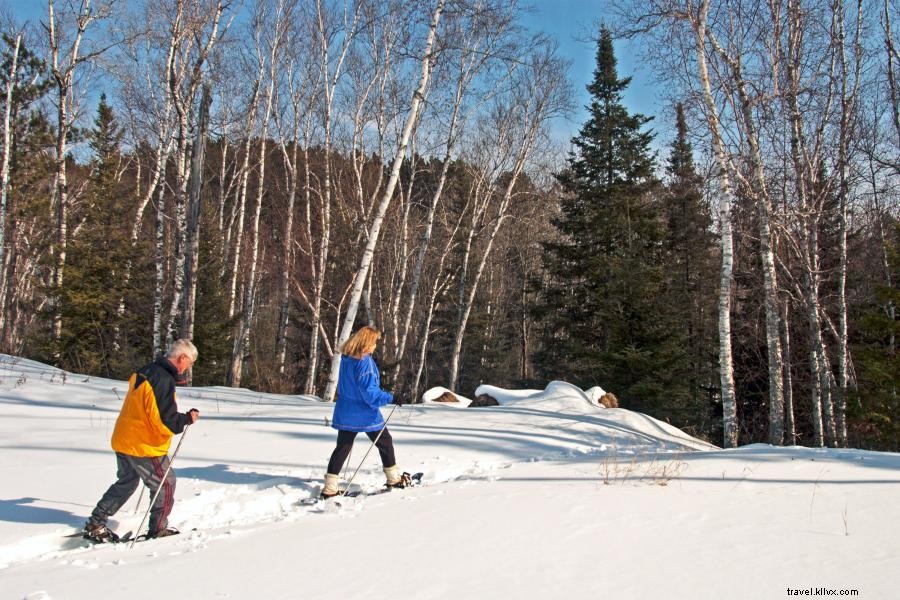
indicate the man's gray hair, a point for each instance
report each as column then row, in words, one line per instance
column 182, row 346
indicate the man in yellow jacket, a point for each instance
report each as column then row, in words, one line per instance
column 148, row 420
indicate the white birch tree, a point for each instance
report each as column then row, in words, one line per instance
column 478, row 41
column 4, row 174
column 273, row 28
column 196, row 23
column 374, row 229
column 518, row 123
column 66, row 55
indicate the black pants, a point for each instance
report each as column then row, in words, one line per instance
column 345, row 439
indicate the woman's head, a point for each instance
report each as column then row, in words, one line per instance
column 362, row 342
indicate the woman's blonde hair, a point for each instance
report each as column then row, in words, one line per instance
column 361, row 342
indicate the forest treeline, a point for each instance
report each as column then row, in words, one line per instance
column 263, row 177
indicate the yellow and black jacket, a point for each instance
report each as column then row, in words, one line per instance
column 149, row 416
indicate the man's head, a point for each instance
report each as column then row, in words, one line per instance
column 183, row 354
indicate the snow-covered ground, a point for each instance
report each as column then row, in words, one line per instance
column 545, row 496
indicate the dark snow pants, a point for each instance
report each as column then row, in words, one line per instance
column 131, row 471
column 345, row 439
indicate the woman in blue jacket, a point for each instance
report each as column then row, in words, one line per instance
column 359, row 400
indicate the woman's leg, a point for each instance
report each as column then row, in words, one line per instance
column 385, row 447
column 341, row 451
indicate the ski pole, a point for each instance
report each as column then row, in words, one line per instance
column 161, row 483
column 138, row 505
column 375, row 441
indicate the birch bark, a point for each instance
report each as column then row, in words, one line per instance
column 4, row 178
column 185, row 74
column 63, row 63
column 192, row 254
column 374, row 230
column 242, row 339
column 319, row 260
column 726, row 200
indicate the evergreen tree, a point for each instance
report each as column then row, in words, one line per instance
column 99, row 251
column 212, row 331
column 602, row 312
column 690, row 265
column 874, row 408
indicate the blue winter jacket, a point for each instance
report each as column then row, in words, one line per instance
column 359, row 395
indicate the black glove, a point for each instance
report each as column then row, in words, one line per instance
column 399, row 401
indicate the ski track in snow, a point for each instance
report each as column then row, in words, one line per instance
column 234, row 494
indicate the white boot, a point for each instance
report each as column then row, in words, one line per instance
column 331, row 485
column 393, row 475
column 396, row 479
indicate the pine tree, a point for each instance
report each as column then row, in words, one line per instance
column 212, row 330
column 601, row 310
column 99, row 251
column 874, row 408
column 690, row 264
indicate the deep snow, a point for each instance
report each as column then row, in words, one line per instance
column 547, row 495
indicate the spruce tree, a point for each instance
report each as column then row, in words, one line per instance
column 874, row 407
column 690, row 265
column 99, row 251
column 601, row 311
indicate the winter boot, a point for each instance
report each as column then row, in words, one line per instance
column 100, row 533
column 164, row 532
column 331, row 486
column 396, row 479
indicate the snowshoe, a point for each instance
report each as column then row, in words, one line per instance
column 406, row 480
column 99, row 534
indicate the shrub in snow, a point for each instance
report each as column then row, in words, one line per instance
column 609, row 400
column 484, row 400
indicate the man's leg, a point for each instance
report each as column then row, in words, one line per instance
column 151, row 471
column 118, row 493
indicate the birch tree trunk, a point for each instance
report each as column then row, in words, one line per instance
column 726, row 200
column 319, row 267
column 160, row 272
column 759, row 191
column 63, row 63
column 241, row 201
column 184, row 80
column 374, row 230
column 242, row 339
column 528, row 111
column 790, row 425
column 848, row 101
column 471, row 60
column 892, row 56
column 163, row 149
column 296, row 95
column 192, row 255
column 437, row 288
column 4, row 179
